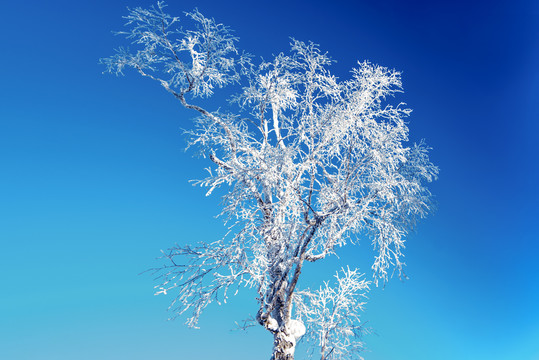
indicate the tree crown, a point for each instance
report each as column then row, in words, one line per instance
column 311, row 162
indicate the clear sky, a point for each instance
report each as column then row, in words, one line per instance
column 94, row 180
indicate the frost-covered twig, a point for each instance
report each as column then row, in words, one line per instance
column 332, row 315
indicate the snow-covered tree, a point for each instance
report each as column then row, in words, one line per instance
column 311, row 163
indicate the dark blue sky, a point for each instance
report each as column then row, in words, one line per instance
column 94, row 180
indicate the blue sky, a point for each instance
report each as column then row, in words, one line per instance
column 94, row 180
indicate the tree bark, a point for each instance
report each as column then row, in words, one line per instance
column 284, row 346
column 284, row 343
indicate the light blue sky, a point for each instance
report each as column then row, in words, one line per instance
column 94, row 181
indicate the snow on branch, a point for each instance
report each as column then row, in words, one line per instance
column 332, row 315
column 186, row 61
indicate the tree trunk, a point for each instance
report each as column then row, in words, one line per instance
column 283, row 346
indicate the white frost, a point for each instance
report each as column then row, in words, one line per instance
column 272, row 324
column 297, row 328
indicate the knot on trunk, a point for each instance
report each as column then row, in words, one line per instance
column 284, row 344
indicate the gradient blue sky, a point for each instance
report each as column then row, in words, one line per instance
column 93, row 180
